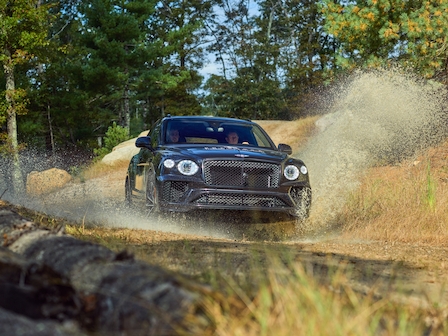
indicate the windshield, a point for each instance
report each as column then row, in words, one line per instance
column 211, row 132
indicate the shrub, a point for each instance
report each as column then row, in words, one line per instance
column 115, row 135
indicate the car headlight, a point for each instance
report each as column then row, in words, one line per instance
column 303, row 170
column 291, row 172
column 168, row 163
column 187, row 167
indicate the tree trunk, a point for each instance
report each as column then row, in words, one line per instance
column 16, row 173
column 50, row 130
column 117, row 294
column 127, row 110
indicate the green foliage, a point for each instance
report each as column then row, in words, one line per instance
column 19, row 97
column 134, row 61
column 115, row 135
column 24, row 27
column 275, row 57
column 378, row 32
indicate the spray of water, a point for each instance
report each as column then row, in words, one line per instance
column 375, row 118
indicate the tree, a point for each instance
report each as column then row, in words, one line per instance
column 52, row 85
column 271, row 59
column 249, row 76
column 117, row 52
column 379, row 32
column 298, row 46
column 24, row 27
column 180, row 24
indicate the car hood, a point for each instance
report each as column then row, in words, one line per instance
column 227, row 152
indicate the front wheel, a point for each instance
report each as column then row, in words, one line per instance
column 127, row 193
column 152, row 201
column 302, row 199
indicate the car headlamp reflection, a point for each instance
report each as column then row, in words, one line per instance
column 168, row 163
column 291, row 172
column 187, row 167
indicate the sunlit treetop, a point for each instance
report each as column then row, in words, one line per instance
column 379, row 32
column 23, row 27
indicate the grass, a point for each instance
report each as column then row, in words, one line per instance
column 99, row 169
column 294, row 133
column 406, row 203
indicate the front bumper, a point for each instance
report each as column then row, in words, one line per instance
column 186, row 195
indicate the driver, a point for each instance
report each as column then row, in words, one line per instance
column 232, row 138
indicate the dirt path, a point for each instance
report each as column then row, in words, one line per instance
column 408, row 273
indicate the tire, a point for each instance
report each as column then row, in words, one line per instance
column 302, row 198
column 151, row 197
column 127, row 193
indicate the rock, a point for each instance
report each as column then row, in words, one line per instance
column 122, row 152
column 44, row 182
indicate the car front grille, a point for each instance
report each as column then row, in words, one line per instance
column 235, row 173
column 237, row 199
column 173, row 191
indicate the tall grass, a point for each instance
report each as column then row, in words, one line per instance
column 406, row 203
column 294, row 133
column 98, row 169
column 430, row 199
column 290, row 302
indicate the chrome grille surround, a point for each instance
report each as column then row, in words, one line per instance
column 240, row 199
column 239, row 173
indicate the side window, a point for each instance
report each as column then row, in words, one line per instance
column 260, row 138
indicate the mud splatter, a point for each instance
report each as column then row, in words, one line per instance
column 376, row 118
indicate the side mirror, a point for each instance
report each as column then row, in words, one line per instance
column 285, row 148
column 143, row 142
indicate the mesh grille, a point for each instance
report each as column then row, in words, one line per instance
column 235, row 173
column 241, row 200
column 173, row 191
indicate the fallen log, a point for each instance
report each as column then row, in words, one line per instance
column 118, row 294
column 13, row 324
column 35, row 290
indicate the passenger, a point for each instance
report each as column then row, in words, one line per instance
column 232, row 138
column 173, row 135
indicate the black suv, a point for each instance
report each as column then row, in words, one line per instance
column 196, row 162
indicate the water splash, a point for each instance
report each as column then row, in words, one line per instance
column 376, row 118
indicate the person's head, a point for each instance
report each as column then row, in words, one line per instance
column 232, row 138
column 173, row 135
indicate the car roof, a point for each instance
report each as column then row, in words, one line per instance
column 209, row 118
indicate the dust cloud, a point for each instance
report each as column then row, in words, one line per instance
column 375, row 118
